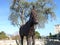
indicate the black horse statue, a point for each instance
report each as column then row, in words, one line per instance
column 28, row 28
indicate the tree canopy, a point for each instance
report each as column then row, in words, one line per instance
column 20, row 10
column 3, row 35
column 37, row 35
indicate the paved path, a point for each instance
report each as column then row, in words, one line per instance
column 13, row 42
column 37, row 42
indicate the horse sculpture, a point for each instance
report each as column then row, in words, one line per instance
column 28, row 28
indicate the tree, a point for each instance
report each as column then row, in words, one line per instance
column 3, row 35
column 50, row 35
column 20, row 10
column 37, row 35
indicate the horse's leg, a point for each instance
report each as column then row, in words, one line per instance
column 28, row 40
column 22, row 40
column 33, row 38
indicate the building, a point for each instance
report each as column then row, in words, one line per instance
column 57, row 28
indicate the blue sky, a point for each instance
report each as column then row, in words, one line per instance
column 6, row 26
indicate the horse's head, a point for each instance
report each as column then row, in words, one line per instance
column 33, row 16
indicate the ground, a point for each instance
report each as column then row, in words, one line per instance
column 37, row 42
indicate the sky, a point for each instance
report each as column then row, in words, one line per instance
column 6, row 26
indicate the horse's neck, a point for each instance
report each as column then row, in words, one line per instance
column 29, row 23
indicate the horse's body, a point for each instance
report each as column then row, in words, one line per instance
column 28, row 28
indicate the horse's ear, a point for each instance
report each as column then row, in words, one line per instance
column 33, row 6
